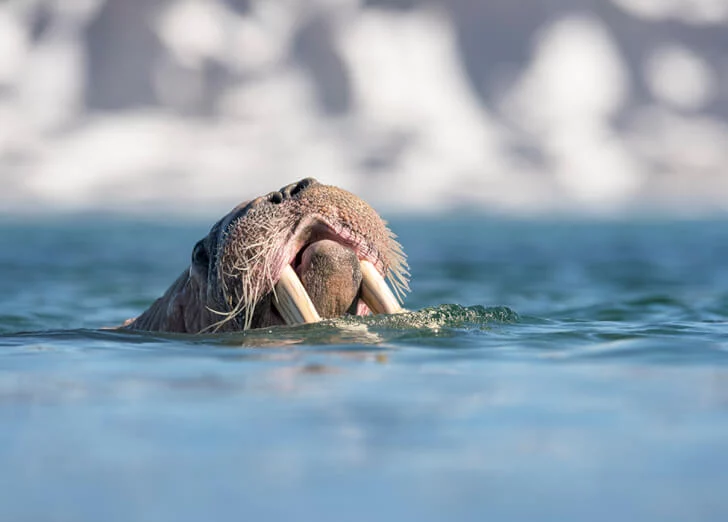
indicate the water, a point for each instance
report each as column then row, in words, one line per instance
column 549, row 371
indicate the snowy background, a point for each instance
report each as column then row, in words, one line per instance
column 524, row 108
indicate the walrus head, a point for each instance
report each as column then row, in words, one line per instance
column 305, row 252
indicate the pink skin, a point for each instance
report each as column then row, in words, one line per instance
column 315, row 228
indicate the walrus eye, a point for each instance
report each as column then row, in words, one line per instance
column 200, row 256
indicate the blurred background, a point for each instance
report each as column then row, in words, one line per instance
column 598, row 107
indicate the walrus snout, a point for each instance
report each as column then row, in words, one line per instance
column 304, row 252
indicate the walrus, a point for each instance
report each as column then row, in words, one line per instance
column 300, row 254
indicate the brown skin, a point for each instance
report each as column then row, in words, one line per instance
column 331, row 274
column 322, row 231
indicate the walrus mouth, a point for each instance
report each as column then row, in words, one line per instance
column 292, row 299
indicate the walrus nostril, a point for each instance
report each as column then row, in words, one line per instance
column 302, row 185
column 275, row 198
column 289, row 190
column 294, row 188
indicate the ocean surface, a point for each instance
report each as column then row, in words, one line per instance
column 549, row 370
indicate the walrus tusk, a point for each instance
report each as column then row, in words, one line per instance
column 295, row 306
column 292, row 301
column 375, row 292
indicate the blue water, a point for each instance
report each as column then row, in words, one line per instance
column 548, row 371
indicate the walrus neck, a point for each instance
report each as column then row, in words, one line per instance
column 170, row 312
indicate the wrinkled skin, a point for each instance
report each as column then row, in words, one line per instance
column 321, row 231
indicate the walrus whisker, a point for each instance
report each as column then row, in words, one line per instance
column 214, row 327
column 234, row 312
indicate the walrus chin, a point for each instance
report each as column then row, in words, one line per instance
column 306, row 252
